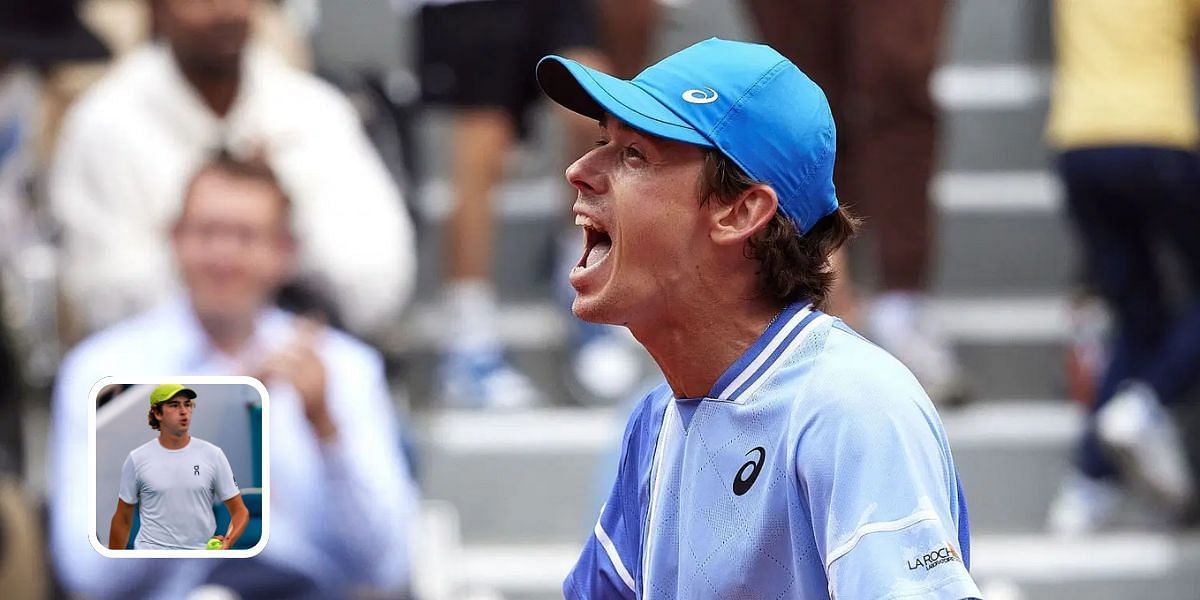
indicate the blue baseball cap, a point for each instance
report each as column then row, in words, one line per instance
column 743, row 99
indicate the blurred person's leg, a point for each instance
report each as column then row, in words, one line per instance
column 605, row 366
column 1134, row 423
column 1175, row 369
column 893, row 49
column 1088, row 496
column 481, row 141
column 627, row 29
column 472, row 61
column 1109, row 194
column 813, row 35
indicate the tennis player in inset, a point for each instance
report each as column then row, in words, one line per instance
column 785, row 456
column 173, row 482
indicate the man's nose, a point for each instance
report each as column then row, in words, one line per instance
column 585, row 174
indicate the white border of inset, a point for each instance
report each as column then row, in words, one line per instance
column 266, row 468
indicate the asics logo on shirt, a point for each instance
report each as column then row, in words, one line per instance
column 701, row 96
column 743, row 481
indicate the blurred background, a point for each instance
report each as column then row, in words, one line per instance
column 439, row 239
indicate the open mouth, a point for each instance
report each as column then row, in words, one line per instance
column 596, row 243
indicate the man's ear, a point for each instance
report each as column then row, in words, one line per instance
column 744, row 216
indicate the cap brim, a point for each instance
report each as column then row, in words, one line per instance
column 593, row 93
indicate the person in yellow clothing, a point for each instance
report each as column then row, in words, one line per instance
column 1123, row 119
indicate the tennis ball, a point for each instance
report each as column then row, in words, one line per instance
column 214, row 544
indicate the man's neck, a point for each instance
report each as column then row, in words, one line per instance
column 695, row 346
column 229, row 335
column 172, row 441
column 217, row 89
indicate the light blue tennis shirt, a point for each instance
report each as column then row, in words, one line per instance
column 815, row 468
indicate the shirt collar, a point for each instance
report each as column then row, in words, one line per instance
column 755, row 363
column 194, row 348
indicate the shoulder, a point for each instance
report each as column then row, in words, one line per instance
column 853, row 377
column 303, row 91
column 652, row 403
column 859, row 397
column 139, row 455
column 204, row 446
column 104, row 105
column 207, row 448
column 124, row 342
column 641, row 430
column 348, row 357
column 861, row 401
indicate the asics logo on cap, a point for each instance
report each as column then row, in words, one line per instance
column 698, row 96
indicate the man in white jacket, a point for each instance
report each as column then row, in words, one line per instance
column 129, row 144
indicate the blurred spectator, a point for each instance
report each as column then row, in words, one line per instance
column 35, row 37
column 478, row 58
column 129, row 144
column 627, row 31
column 874, row 60
column 342, row 502
column 1123, row 118
column 124, row 26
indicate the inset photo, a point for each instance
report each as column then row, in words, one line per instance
column 179, row 467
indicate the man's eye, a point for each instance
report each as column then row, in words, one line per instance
column 631, row 152
column 600, row 143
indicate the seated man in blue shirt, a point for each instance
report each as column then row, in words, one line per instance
column 785, row 457
column 334, row 437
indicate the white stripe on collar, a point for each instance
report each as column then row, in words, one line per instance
column 766, row 353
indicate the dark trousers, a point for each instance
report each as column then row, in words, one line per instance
column 1130, row 206
column 873, row 58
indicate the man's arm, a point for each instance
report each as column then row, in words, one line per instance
column 358, row 237
column 238, row 517
column 122, row 522
column 109, row 244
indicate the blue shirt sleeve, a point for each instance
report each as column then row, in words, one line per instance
column 884, row 496
column 610, row 564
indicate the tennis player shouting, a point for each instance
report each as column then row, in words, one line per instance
column 785, row 457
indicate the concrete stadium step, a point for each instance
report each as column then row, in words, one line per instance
column 1001, row 138
column 1010, row 347
column 524, row 476
column 540, row 476
column 1002, row 233
column 1008, row 567
column 984, row 32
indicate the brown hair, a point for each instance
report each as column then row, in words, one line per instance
column 153, row 419
column 793, row 266
column 256, row 168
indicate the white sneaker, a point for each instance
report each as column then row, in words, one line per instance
column 607, row 368
column 1142, row 435
column 1083, row 505
column 897, row 324
column 485, row 380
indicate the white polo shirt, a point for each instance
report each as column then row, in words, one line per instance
column 175, row 491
